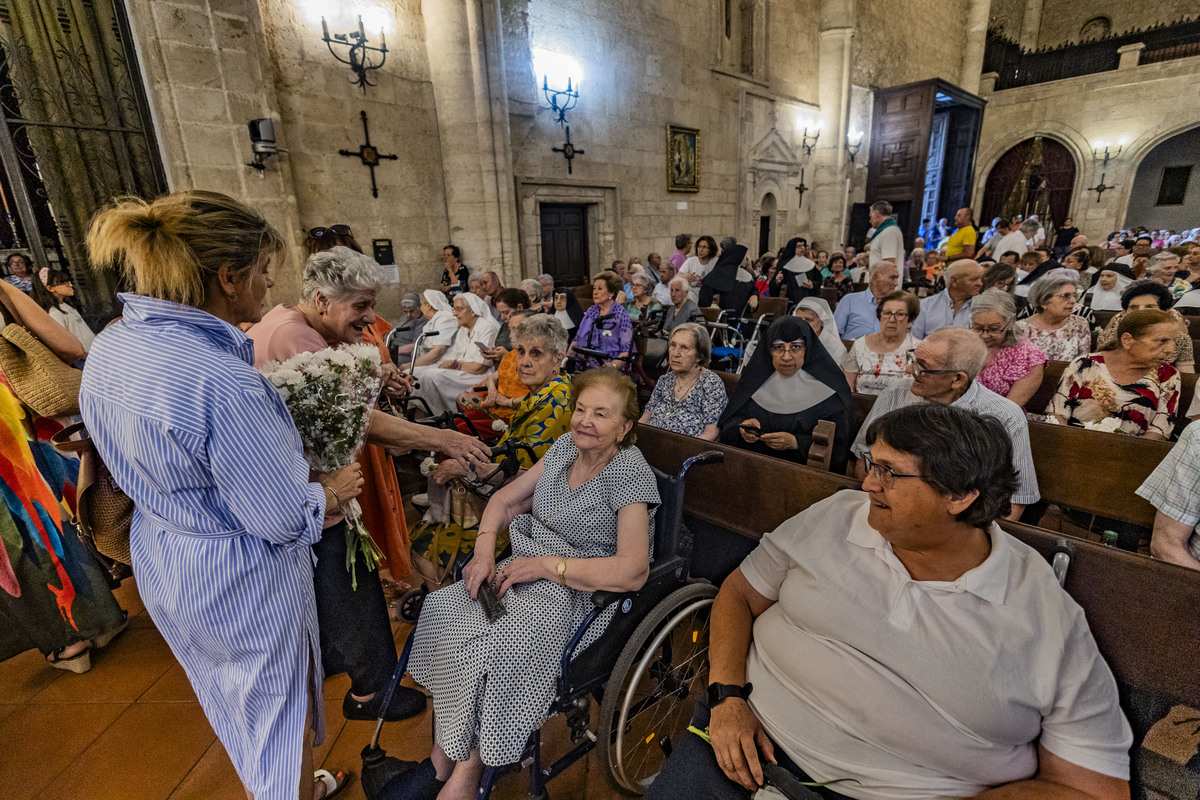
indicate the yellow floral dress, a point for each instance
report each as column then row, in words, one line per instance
column 542, row 417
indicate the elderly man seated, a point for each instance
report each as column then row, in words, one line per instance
column 896, row 643
column 943, row 369
column 951, row 307
column 855, row 313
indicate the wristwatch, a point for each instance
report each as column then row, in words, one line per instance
column 562, row 572
column 719, row 691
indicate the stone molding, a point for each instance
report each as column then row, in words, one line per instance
column 603, row 219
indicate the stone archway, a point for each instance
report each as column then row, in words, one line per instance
column 1149, row 204
column 1036, row 176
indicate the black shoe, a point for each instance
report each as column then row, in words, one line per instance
column 418, row 783
column 406, row 703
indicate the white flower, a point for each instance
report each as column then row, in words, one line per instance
column 427, row 466
column 499, row 425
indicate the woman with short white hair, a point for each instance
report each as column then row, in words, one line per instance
column 462, row 365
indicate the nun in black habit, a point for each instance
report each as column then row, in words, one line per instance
column 722, row 280
column 798, row 271
column 790, row 384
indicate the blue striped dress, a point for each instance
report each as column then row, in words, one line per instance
column 225, row 520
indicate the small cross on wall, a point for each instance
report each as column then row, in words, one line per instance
column 367, row 153
column 568, row 150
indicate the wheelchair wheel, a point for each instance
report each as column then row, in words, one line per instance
column 649, row 695
column 410, row 604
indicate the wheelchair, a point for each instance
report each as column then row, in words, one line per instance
column 645, row 671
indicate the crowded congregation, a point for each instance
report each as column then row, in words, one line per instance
column 406, row 451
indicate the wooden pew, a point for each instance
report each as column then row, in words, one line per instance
column 1093, row 471
column 1141, row 612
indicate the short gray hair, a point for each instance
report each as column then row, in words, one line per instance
column 546, row 276
column 965, row 351
column 1044, row 288
column 339, row 272
column 642, row 278
column 879, row 267
column 1158, row 261
column 1003, row 304
column 678, row 279
column 882, row 207
column 1029, row 226
column 956, row 268
column 545, row 327
column 700, row 337
column 532, row 288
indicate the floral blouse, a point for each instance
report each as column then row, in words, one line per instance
column 699, row 408
column 1009, row 365
column 844, row 287
column 1088, row 394
column 639, row 315
column 1073, row 339
column 1183, row 342
column 878, row 372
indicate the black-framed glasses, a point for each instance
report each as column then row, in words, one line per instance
column 336, row 230
column 885, row 475
column 990, row 330
column 917, row 370
column 781, row 348
column 894, row 314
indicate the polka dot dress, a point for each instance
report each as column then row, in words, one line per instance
column 493, row 683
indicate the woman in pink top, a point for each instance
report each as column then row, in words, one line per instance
column 1014, row 366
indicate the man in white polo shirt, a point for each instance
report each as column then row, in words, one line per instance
column 887, row 242
column 896, row 643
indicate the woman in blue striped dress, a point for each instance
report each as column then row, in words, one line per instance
column 226, row 514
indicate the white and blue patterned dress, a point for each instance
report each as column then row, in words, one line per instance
column 493, row 683
column 700, row 407
column 225, row 521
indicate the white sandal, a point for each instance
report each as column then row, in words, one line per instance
column 332, row 787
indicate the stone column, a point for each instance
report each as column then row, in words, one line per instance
column 976, row 42
column 463, row 39
column 827, row 173
column 1031, row 24
column 1131, row 55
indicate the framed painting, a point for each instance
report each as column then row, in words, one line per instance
column 683, row 159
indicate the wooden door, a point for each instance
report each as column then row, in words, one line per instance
column 565, row 243
column 900, row 134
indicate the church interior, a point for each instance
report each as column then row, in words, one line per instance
column 462, row 144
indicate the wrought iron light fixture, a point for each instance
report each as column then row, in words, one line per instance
column 812, row 132
column 853, row 143
column 358, row 51
column 561, row 100
column 558, row 71
column 1103, row 152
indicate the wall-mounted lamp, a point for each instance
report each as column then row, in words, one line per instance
column 262, row 143
column 358, row 52
column 853, row 143
column 560, row 82
column 1103, row 151
column 812, row 132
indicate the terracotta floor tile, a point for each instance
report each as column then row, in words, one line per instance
column 41, row 740
column 127, row 596
column 8, row 708
column 24, row 675
column 172, row 687
column 144, row 755
column 122, row 671
column 212, row 778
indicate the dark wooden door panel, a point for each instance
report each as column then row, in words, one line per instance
column 564, row 242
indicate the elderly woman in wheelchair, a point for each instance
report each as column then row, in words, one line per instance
column 579, row 521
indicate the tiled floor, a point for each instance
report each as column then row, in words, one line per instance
column 131, row 729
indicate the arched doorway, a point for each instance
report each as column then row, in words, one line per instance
column 766, row 224
column 1166, row 189
column 1036, row 176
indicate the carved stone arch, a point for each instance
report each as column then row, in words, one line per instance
column 772, row 166
column 1137, row 151
column 1070, row 138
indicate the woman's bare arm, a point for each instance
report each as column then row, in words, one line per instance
column 30, row 315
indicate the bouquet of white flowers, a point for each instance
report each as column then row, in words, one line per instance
column 330, row 394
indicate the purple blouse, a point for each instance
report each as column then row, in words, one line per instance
column 611, row 334
column 1009, row 365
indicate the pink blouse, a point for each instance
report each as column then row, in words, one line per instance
column 1009, row 365
column 282, row 333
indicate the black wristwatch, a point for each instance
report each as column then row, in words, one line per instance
column 719, row 691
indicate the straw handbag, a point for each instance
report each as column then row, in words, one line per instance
column 39, row 378
column 104, row 513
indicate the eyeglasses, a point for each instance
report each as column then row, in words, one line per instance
column 336, row 230
column 894, row 314
column 917, row 370
column 782, row 349
column 885, row 475
column 991, row 330
column 1064, row 296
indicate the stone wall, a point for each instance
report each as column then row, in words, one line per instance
column 1179, row 151
column 1139, row 104
column 898, row 43
column 1061, row 21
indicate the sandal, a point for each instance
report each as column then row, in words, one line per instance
column 104, row 639
column 79, row 663
column 333, row 783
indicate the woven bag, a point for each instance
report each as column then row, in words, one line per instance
column 39, row 378
column 104, row 513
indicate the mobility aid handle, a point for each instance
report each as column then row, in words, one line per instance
column 600, row 355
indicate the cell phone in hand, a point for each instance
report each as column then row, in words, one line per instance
column 492, row 606
column 750, row 428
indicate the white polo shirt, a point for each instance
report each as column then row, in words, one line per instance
column 922, row 689
column 889, row 244
column 1013, row 241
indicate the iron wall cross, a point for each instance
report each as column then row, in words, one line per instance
column 369, row 155
column 568, row 150
column 801, row 189
column 1100, row 188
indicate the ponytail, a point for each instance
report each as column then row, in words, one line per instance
column 173, row 248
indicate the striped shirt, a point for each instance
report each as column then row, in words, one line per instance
column 224, row 523
column 1174, row 486
column 981, row 400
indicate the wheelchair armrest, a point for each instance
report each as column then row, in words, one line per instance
column 606, row 599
